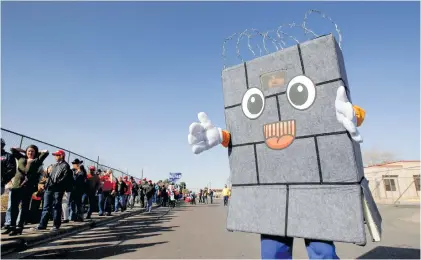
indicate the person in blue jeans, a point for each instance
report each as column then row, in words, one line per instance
column 275, row 247
column 58, row 180
column 104, row 203
column 79, row 188
column 8, row 217
column 150, row 191
column 120, row 188
column 104, row 193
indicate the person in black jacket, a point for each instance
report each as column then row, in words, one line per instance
column 142, row 194
column 54, row 189
column 79, row 188
column 135, row 190
column 164, row 194
column 8, row 166
column 150, row 192
column 120, row 188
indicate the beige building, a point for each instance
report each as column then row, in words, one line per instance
column 395, row 182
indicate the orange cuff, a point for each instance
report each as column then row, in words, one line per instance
column 359, row 114
column 226, row 137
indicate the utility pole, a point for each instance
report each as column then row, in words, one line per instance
column 142, row 174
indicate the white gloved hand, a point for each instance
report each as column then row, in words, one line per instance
column 203, row 135
column 345, row 114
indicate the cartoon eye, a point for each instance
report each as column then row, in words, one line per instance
column 253, row 103
column 301, row 92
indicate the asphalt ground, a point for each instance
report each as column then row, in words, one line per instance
column 199, row 232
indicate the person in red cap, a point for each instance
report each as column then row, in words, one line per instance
column 58, row 180
column 104, row 193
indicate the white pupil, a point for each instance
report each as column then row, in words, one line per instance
column 300, row 88
column 253, row 99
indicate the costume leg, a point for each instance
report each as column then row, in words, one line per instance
column 274, row 247
column 317, row 249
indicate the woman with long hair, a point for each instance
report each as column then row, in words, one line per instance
column 24, row 184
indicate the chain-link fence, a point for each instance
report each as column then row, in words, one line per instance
column 17, row 140
column 395, row 186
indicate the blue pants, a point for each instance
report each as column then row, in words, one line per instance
column 225, row 200
column 274, row 247
column 104, row 202
column 52, row 203
column 76, row 211
column 120, row 200
column 90, row 195
column 149, row 205
column 17, row 196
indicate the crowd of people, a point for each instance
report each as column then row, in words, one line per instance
column 205, row 195
column 62, row 191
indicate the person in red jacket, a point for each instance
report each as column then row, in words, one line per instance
column 104, row 194
column 128, row 193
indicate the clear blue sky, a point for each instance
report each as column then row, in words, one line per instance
column 125, row 80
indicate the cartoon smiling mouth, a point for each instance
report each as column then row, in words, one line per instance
column 279, row 135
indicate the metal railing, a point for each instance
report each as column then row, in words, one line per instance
column 14, row 139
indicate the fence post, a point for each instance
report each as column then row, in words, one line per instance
column 97, row 163
column 68, row 157
column 21, row 141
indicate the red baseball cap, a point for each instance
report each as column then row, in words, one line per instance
column 60, row 153
column 144, row 179
column 125, row 177
column 92, row 168
column 150, row 180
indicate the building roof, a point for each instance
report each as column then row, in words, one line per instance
column 389, row 163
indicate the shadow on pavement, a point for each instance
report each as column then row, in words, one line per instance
column 108, row 240
column 90, row 252
column 385, row 252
